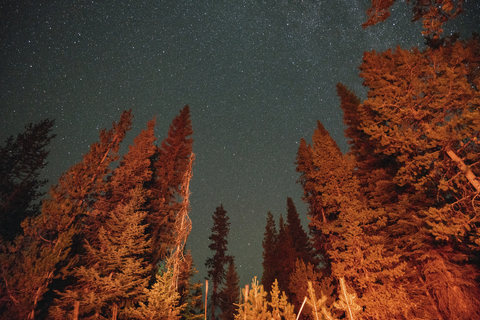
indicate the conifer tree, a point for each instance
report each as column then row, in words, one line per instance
column 230, row 293
column 171, row 161
column 433, row 13
column 95, row 231
column 256, row 306
column 285, row 258
column 216, row 265
column 270, row 255
column 21, row 160
column 190, row 293
column 355, row 246
column 117, row 273
column 123, row 184
column 30, row 264
column 426, row 119
column 317, row 165
column 302, row 275
column 301, row 242
column 162, row 300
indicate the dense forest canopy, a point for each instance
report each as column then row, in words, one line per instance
column 393, row 228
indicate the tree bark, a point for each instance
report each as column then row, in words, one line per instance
column 463, row 167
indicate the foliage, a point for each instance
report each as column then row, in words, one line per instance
column 216, row 264
column 170, row 162
column 230, row 293
column 190, row 293
column 117, row 273
column 21, row 160
column 256, row 306
column 162, row 300
column 301, row 241
column 96, row 240
column 270, row 255
column 298, row 285
column 285, row 256
column 434, row 13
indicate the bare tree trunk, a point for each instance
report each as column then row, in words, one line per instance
column 206, row 296
column 462, row 166
column 76, row 307
column 183, row 225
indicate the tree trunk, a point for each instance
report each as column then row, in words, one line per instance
column 463, row 167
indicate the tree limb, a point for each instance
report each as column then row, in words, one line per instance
column 463, row 167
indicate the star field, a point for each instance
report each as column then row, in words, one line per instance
column 256, row 74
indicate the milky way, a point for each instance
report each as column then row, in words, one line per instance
column 256, row 74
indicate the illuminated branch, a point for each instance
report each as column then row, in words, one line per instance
column 183, row 224
column 463, row 167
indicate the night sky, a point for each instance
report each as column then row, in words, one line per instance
column 256, row 74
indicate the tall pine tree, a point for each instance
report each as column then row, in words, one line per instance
column 21, row 160
column 30, row 264
column 427, row 116
column 230, row 295
column 301, row 242
column 285, row 258
column 270, row 254
column 171, row 160
column 125, row 183
column 216, row 265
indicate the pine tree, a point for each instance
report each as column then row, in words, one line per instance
column 303, row 274
column 317, row 165
column 255, row 304
column 354, row 243
column 280, row 307
column 216, row 265
column 123, row 184
column 95, row 231
column 285, row 258
column 117, row 273
column 270, row 254
column 434, row 13
column 162, row 300
column 301, row 242
column 257, row 307
column 230, row 293
column 47, row 240
column 190, row 293
column 171, row 161
column 21, row 160
column 427, row 113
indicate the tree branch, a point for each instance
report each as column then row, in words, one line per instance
column 463, row 167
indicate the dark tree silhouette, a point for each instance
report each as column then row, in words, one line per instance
column 270, row 254
column 21, row 160
column 301, row 242
column 216, row 265
column 230, row 293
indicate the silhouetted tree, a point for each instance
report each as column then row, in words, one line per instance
column 301, row 242
column 21, row 160
column 285, row 258
column 216, row 265
column 270, row 254
column 230, row 293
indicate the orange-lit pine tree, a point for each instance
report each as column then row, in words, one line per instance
column 31, row 264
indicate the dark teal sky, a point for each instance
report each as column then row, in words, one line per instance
column 256, row 74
